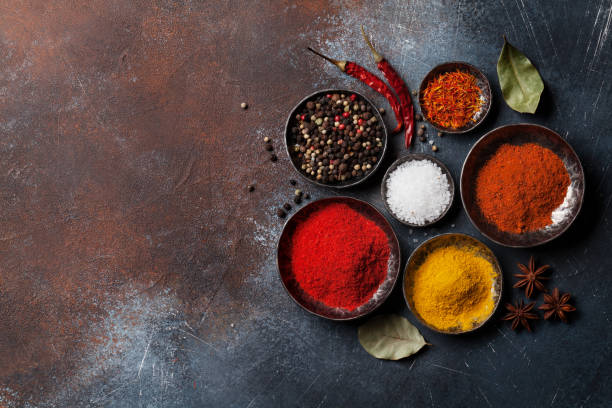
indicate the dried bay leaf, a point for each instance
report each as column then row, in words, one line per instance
column 390, row 337
column 519, row 80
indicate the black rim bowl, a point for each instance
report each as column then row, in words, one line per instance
column 291, row 120
column 312, row 305
column 519, row 134
column 419, row 255
column 481, row 81
column 412, row 157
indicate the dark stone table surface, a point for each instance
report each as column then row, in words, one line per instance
column 137, row 271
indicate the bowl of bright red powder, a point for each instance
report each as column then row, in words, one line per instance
column 338, row 258
column 522, row 185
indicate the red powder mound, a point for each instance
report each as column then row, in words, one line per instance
column 519, row 187
column 339, row 257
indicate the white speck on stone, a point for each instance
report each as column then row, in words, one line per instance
column 264, row 235
column 418, row 192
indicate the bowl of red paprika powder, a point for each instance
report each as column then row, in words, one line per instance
column 522, row 185
column 338, row 258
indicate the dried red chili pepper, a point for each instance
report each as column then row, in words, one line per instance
column 371, row 80
column 400, row 88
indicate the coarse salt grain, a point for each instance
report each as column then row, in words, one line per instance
column 418, row 192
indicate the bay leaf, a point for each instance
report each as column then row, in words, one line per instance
column 390, row 337
column 519, row 80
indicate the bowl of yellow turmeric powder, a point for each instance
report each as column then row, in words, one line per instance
column 453, row 283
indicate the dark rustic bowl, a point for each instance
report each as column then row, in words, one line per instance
column 517, row 135
column 289, row 142
column 444, row 240
column 481, row 81
column 306, row 301
column 411, row 157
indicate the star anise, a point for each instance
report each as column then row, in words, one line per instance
column 557, row 305
column 531, row 277
column 519, row 313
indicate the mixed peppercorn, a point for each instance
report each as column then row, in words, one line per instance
column 297, row 199
column 336, row 138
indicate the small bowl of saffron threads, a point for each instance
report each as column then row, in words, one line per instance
column 338, row 258
column 455, row 97
column 453, row 283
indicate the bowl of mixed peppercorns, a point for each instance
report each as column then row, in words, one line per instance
column 335, row 138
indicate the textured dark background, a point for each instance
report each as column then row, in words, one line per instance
column 135, row 269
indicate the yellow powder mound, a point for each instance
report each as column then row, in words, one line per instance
column 453, row 288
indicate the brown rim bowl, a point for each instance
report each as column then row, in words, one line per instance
column 412, row 157
column 519, row 134
column 481, row 81
column 451, row 239
column 289, row 141
column 306, row 301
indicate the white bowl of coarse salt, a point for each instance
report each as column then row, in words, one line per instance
column 418, row 190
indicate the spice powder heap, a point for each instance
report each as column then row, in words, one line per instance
column 452, row 100
column 418, row 192
column 453, row 288
column 520, row 187
column 339, row 257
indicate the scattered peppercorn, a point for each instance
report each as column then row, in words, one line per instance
column 292, row 182
column 243, row 105
column 418, row 117
column 251, row 188
column 297, row 199
column 423, row 139
column 298, row 192
column 273, row 157
column 420, row 132
column 415, row 92
column 287, row 206
column 269, row 147
column 423, row 127
column 434, row 148
column 381, row 110
column 281, row 213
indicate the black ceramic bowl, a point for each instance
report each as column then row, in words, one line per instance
column 444, row 240
column 481, row 81
column 313, row 306
column 412, row 157
column 518, row 135
column 289, row 141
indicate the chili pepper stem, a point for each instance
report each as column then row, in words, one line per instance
column 339, row 64
column 377, row 56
